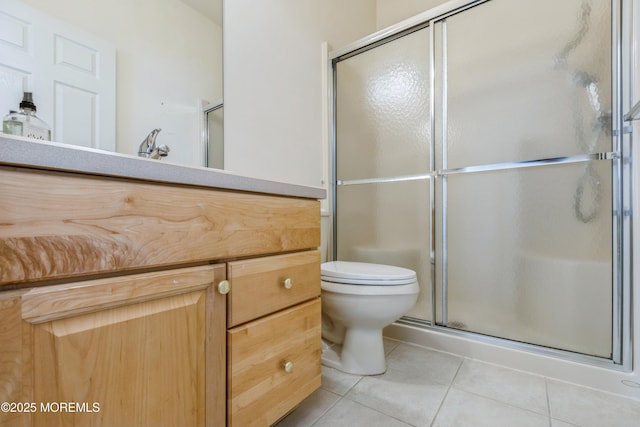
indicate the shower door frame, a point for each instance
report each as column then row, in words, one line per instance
column 621, row 358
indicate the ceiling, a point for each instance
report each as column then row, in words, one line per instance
column 210, row 8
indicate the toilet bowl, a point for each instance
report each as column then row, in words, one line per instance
column 358, row 301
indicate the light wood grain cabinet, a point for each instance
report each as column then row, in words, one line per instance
column 56, row 225
column 108, row 295
column 274, row 344
column 134, row 350
column 264, row 285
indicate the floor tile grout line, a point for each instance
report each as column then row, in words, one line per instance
column 341, row 397
column 484, row 396
column 502, row 402
column 352, row 387
column 546, row 391
column 379, row 411
column 328, row 409
column 435, row 416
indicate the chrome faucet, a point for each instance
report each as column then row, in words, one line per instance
column 148, row 147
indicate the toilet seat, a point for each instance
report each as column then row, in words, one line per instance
column 349, row 289
column 360, row 273
column 359, row 278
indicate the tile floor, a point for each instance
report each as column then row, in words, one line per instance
column 423, row 387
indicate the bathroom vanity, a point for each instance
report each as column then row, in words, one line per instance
column 139, row 293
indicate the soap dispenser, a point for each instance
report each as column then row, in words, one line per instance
column 25, row 122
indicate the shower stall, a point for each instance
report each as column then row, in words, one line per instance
column 482, row 145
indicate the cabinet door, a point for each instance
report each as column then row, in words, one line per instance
column 14, row 360
column 143, row 350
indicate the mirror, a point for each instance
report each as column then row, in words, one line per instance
column 165, row 72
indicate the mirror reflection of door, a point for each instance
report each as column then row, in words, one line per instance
column 213, row 135
column 71, row 74
column 68, row 53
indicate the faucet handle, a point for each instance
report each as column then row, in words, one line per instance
column 163, row 150
column 148, row 146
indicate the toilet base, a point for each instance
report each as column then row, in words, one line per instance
column 361, row 353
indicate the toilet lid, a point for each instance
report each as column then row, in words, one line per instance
column 362, row 273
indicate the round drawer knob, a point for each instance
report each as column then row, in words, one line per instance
column 288, row 366
column 224, row 287
column 287, row 283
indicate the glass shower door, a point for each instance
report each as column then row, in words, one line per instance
column 525, row 253
column 478, row 150
column 382, row 155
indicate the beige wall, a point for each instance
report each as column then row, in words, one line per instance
column 168, row 59
column 273, row 82
column 391, row 12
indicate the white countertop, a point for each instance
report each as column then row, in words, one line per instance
column 18, row 151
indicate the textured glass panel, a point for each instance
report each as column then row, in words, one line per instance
column 215, row 128
column 382, row 110
column 527, row 80
column 387, row 223
column 530, row 255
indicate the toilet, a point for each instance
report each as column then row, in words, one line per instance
column 358, row 301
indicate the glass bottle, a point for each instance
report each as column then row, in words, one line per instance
column 25, row 122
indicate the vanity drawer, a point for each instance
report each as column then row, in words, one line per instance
column 264, row 285
column 260, row 388
column 57, row 225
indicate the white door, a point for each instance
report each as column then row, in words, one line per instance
column 71, row 73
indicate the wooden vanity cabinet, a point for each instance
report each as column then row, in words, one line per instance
column 109, row 295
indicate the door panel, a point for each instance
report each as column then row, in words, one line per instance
column 70, row 72
column 518, row 90
column 526, row 254
column 382, row 110
column 383, row 133
column 519, row 264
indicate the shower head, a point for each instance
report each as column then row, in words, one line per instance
column 584, row 79
column 589, row 83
